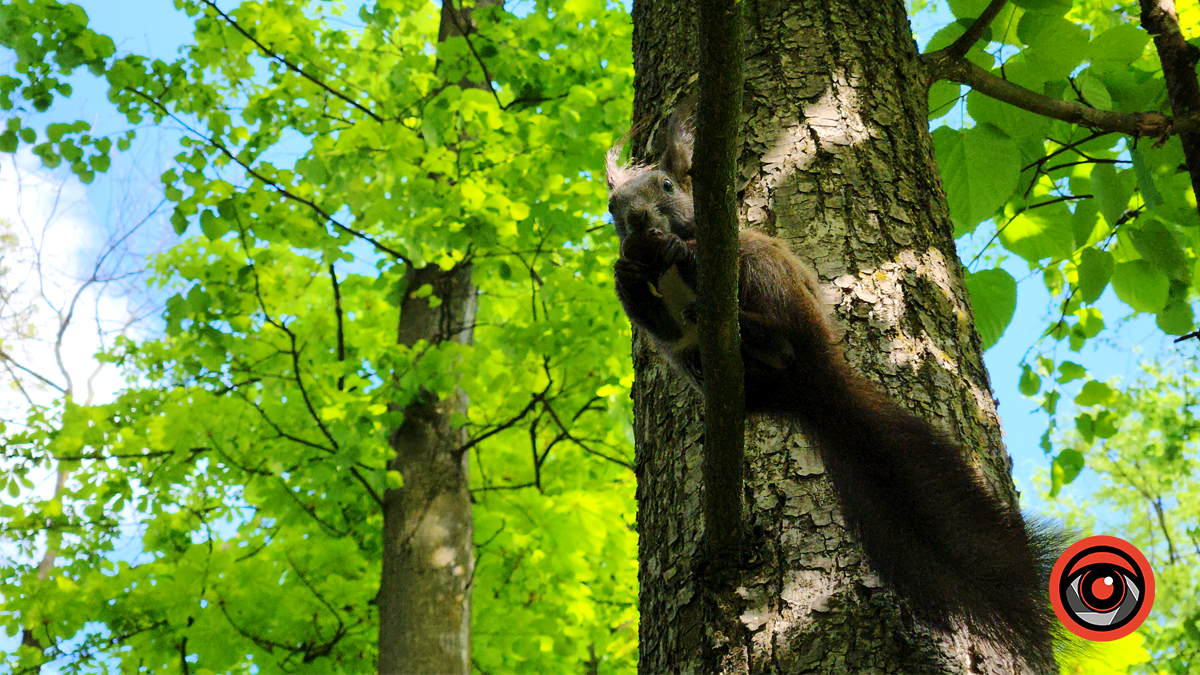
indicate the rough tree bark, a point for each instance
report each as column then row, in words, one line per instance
column 429, row 558
column 1178, row 58
column 837, row 160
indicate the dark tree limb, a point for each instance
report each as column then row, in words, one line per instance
column 271, row 54
column 963, row 44
column 714, row 176
column 341, row 334
column 463, row 25
column 944, row 66
column 1178, row 60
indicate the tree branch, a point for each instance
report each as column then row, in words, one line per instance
column 212, row 141
column 944, row 66
column 341, row 336
column 465, row 31
column 714, row 175
column 579, row 442
column 4, row 356
column 963, row 44
column 1178, row 60
column 288, row 64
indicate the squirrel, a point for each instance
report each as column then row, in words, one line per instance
column 927, row 524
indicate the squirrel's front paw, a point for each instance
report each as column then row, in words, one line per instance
column 654, row 248
column 630, row 272
column 645, row 248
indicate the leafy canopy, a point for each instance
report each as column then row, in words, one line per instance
column 319, row 163
column 1086, row 211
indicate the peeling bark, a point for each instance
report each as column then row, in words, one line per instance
column 836, row 159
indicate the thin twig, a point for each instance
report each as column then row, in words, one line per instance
column 963, row 44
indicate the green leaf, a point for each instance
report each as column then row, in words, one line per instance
column 1030, row 383
column 1113, row 191
column 1052, row 7
column 1176, row 319
column 1093, row 91
column 1141, row 285
column 1004, row 27
column 1145, row 180
column 429, row 132
column 1106, row 424
column 1070, row 462
column 942, row 97
column 1085, row 424
column 1159, row 246
column 1050, row 402
column 1095, row 270
column 964, row 9
column 1087, row 224
column 1053, row 279
column 394, row 480
column 1013, row 121
column 1118, row 46
column 951, row 32
column 979, row 168
column 994, row 300
column 1040, row 233
column 179, row 222
column 1069, row 371
column 1055, row 45
column 1090, row 323
column 1094, row 393
column 212, row 225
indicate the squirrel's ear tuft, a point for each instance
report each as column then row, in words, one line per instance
column 677, row 158
column 616, row 173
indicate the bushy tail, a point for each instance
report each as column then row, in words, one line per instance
column 926, row 522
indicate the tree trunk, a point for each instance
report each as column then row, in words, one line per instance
column 429, row 553
column 428, row 558
column 836, row 159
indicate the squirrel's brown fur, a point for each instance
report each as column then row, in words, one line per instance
column 927, row 524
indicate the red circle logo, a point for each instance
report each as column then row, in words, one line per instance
column 1102, row 588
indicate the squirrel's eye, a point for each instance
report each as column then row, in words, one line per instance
column 668, row 186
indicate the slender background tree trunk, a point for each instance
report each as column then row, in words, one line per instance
column 424, row 591
column 836, row 159
column 429, row 554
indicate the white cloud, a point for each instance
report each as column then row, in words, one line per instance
column 52, row 275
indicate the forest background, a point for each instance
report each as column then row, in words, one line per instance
column 122, row 486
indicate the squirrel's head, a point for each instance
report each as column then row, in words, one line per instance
column 645, row 197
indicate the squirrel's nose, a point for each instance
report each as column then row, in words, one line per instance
column 640, row 220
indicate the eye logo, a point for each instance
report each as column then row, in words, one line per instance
column 1102, row 588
